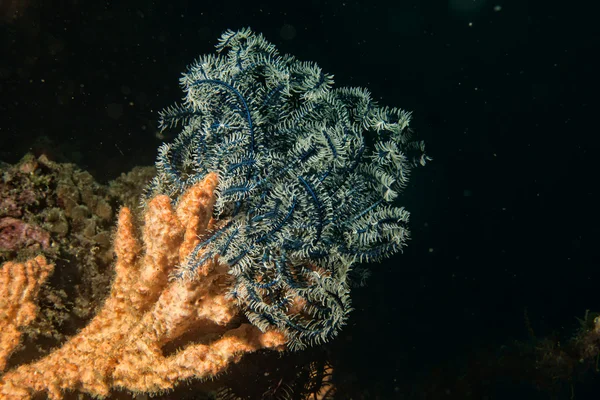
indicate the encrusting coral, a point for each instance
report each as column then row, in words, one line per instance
column 61, row 212
column 122, row 345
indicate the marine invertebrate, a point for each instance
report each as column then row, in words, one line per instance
column 59, row 211
column 19, row 287
column 276, row 186
column 122, row 346
column 302, row 195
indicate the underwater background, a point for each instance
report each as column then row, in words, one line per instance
column 495, row 295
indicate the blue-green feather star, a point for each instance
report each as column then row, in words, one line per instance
column 303, row 195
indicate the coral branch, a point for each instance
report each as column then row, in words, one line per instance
column 122, row 347
column 19, row 287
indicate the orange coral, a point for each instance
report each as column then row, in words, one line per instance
column 19, row 287
column 122, row 346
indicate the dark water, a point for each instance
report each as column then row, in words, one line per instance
column 505, row 221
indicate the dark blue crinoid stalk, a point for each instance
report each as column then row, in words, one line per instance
column 301, row 195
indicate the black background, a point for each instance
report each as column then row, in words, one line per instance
column 505, row 219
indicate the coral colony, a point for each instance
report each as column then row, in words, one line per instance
column 275, row 187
